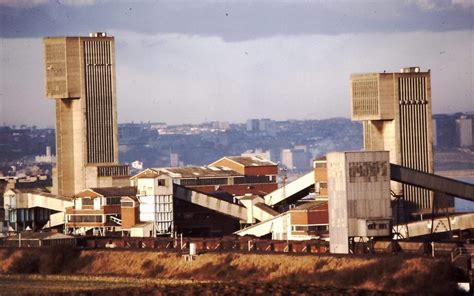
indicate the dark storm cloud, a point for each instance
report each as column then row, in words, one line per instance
column 235, row 20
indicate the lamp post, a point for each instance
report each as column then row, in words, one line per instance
column 284, row 172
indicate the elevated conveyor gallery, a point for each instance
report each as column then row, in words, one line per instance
column 292, row 191
column 439, row 184
column 262, row 228
column 35, row 198
column 431, row 182
column 209, row 202
column 301, row 186
column 437, row 225
column 56, row 219
column 399, row 174
column 260, row 211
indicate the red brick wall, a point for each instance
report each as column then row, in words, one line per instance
column 320, row 215
column 261, row 170
column 129, row 217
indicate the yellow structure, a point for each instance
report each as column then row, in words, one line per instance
column 395, row 109
column 320, row 179
column 80, row 76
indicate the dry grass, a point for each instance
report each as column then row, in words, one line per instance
column 387, row 273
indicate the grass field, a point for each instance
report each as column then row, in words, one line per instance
column 14, row 285
column 49, row 270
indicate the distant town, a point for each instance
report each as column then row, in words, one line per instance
column 292, row 143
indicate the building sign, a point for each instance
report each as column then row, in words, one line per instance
column 368, row 171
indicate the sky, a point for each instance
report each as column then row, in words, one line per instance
column 203, row 60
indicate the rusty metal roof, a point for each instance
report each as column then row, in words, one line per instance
column 309, row 205
column 251, row 160
column 198, row 172
column 116, row 191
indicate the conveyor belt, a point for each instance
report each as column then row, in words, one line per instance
column 432, row 182
column 209, row 202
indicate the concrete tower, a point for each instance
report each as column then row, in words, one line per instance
column 80, row 76
column 395, row 109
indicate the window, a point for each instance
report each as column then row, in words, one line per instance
column 371, row 226
column 161, row 182
column 113, row 200
column 318, row 228
column 299, row 227
column 85, row 218
column 254, row 179
column 87, row 201
column 127, row 204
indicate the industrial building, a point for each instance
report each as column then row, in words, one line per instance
column 80, row 76
column 395, row 109
column 34, row 209
column 234, row 175
column 94, row 194
column 166, row 207
column 359, row 197
column 98, row 209
column 304, row 222
column 320, row 179
column 162, row 201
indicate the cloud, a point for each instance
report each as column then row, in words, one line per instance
column 443, row 4
column 23, row 3
column 34, row 3
column 76, row 2
column 178, row 78
column 232, row 20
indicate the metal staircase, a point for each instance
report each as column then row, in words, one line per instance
column 116, row 220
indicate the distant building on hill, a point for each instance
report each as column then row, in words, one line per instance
column 464, row 131
column 47, row 158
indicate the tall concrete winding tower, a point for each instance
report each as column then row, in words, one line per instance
column 395, row 109
column 80, row 76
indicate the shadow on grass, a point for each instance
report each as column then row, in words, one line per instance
column 440, row 280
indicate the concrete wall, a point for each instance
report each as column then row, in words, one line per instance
column 402, row 124
column 142, row 230
column 80, row 76
column 359, row 192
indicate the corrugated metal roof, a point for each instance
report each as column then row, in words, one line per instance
column 198, row 171
column 41, row 192
column 147, row 173
column 116, row 191
column 251, row 160
column 309, row 205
